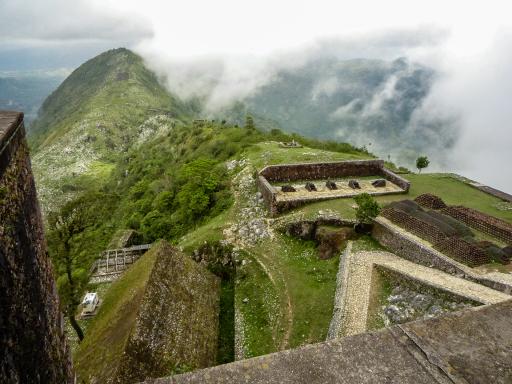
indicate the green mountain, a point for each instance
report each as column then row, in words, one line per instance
column 104, row 108
column 371, row 103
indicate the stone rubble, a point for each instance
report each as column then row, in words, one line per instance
column 406, row 304
column 250, row 226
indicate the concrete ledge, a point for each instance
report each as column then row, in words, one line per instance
column 471, row 346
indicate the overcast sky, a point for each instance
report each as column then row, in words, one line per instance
column 470, row 42
column 193, row 27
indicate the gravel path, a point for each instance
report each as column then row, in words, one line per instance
column 251, row 226
column 356, row 295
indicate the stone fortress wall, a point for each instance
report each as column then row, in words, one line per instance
column 413, row 248
column 481, row 222
column 32, row 341
column 321, row 171
column 462, row 347
column 455, row 247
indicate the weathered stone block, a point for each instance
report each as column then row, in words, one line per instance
column 288, row 188
column 379, row 183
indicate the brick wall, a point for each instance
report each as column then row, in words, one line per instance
column 462, row 251
column 430, row 201
column 414, row 225
column 481, row 222
column 317, row 171
column 453, row 246
column 32, row 342
column 418, row 252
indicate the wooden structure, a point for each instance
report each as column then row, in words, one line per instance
column 113, row 262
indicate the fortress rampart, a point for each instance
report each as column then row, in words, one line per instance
column 32, row 342
column 481, row 222
column 322, row 171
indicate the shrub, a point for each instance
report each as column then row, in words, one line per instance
column 367, row 208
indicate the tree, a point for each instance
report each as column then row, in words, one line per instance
column 73, row 219
column 199, row 180
column 422, row 162
column 367, row 208
column 249, row 122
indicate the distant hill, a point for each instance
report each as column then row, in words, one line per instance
column 358, row 101
column 27, row 91
column 113, row 86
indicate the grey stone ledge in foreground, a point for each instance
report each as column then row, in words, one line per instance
column 471, row 346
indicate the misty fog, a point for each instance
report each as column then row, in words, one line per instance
column 220, row 57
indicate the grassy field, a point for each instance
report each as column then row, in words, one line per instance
column 304, row 289
column 268, row 153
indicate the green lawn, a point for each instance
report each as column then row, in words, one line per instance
column 268, row 153
column 305, row 286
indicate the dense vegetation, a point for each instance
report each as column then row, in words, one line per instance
column 163, row 190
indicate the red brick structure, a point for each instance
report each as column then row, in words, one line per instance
column 481, row 222
column 462, row 251
column 452, row 246
column 427, row 200
column 414, row 225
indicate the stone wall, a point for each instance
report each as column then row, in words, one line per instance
column 336, row 323
column 412, row 248
column 32, row 342
column 268, row 193
column 319, row 171
column 453, row 246
column 395, row 179
column 481, row 222
column 472, row 347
